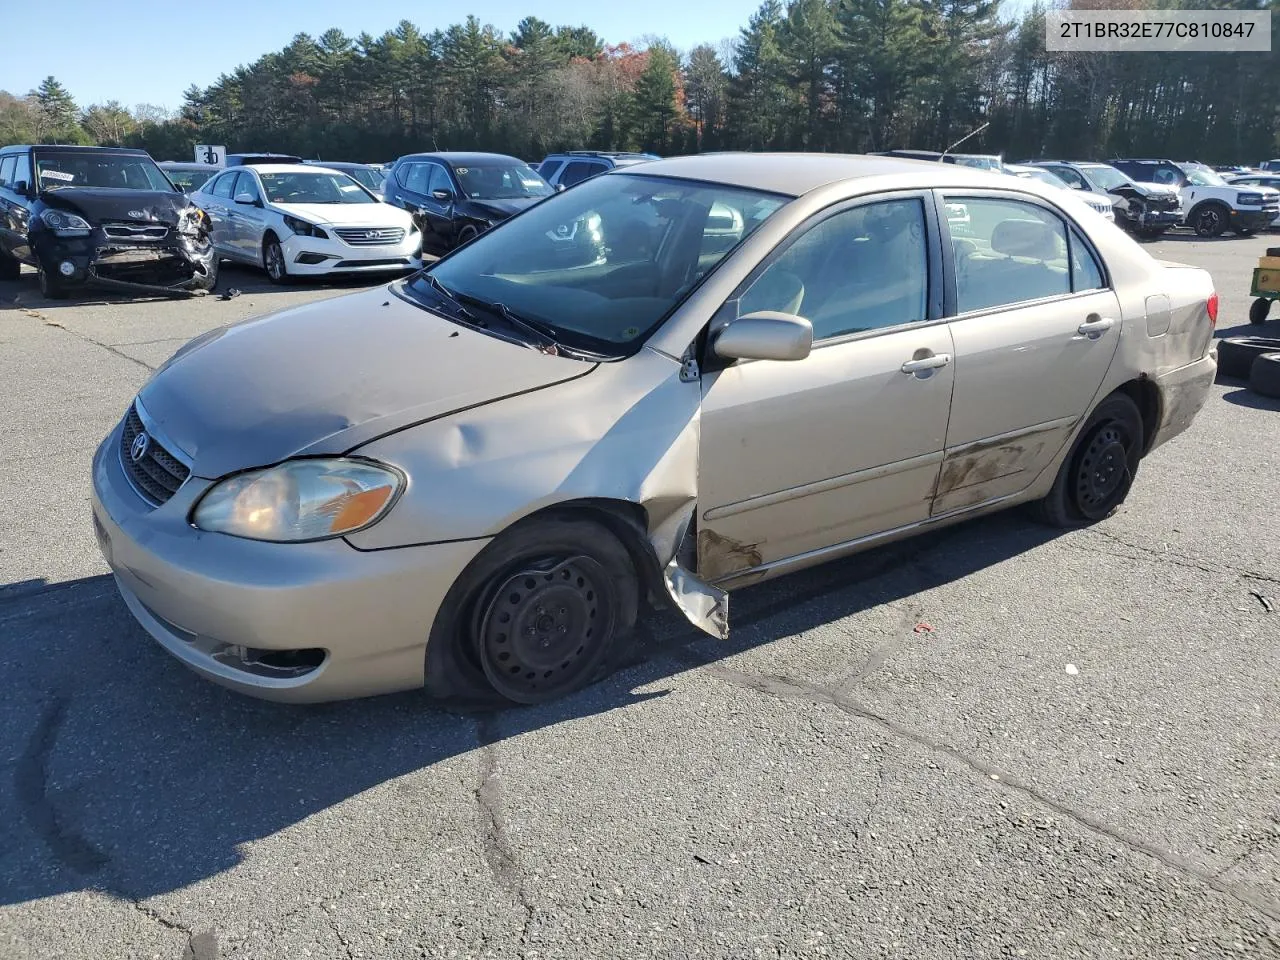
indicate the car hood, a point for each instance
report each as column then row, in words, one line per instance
column 327, row 377
column 501, row 208
column 346, row 214
column 110, row 204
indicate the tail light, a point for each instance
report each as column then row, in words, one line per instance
column 1212, row 306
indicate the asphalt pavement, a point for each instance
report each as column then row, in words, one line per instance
column 993, row 741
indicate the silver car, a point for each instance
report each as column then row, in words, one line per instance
column 473, row 479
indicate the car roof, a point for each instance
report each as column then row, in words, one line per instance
column 459, row 157
column 285, row 167
column 795, row 174
column 187, row 165
column 339, row 164
column 72, row 148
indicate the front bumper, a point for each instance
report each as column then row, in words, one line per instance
column 1159, row 218
column 1252, row 219
column 212, row 600
column 176, row 265
column 312, row 256
column 1183, row 393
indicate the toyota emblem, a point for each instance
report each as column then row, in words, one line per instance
column 138, row 449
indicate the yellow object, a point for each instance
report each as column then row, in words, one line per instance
column 1269, row 263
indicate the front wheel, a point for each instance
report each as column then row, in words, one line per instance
column 540, row 612
column 1210, row 220
column 10, row 268
column 1151, row 233
column 466, row 235
column 273, row 261
column 51, row 287
column 1096, row 476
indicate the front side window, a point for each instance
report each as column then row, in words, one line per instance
column 222, row 186
column 1007, row 252
column 309, row 187
column 500, row 181
column 547, row 169
column 858, row 270
column 58, row 169
column 246, row 184
column 6, row 170
column 438, row 179
column 602, row 264
column 22, row 172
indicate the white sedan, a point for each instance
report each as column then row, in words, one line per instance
column 297, row 220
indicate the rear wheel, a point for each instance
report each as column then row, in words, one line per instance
column 273, row 260
column 1096, row 476
column 540, row 612
column 1258, row 311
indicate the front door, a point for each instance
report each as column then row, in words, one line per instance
column 438, row 227
column 1036, row 325
column 250, row 219
column 802, row 456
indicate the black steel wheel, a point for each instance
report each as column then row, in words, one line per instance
column 1096, row 476
column 10, row 269
column 466, row 235
column 542, row 611
column 545, row 629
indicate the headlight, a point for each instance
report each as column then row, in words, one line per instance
column 299, row 500
column 304, row 229
column 1249, row 199
column 66, row 224
column 193, row 222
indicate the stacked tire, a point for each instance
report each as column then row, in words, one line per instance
column 1253, row 359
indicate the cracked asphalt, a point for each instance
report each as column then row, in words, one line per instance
column 993, row 741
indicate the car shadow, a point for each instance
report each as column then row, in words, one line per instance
column 1247, row 398
column 130, row 774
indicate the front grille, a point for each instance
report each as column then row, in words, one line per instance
column 156, row 474
column 370, row 236
column 1100, row 206
column 386, row 262
column 135, row 231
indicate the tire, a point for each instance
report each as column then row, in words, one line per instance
column 10, row 269
column 466, row 235
column 1245, row 232
column 538, row 614
column 1258, row 311
column 273, row 261
column 1096, row 476
column 1209, row 219
column 50, row 287
column 1236, row 354
column 1264, row 375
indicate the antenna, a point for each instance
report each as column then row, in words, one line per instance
column 971, row 133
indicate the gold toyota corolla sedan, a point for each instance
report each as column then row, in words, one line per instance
column 666, row 383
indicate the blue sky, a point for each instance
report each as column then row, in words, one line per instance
column 75, row 40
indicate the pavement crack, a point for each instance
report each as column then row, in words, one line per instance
column 342, row 941
column 31, row 778
column 50, row 322
column 499, row 854
column 1161, row 556
column 788, row 689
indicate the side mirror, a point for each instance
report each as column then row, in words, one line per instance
column 559, row 188
column 765, row 335
column 22, row 188
column 444, row 196
column 248, row 199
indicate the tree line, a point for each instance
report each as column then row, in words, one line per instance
column 818, row 75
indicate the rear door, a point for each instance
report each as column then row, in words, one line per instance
column 1035, row 326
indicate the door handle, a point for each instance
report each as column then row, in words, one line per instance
column 1096, row 327
column 927, row 363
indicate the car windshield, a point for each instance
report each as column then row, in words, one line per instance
column 313, row 188
column 100, row 170
column 1044, row 176
column 370, row 178
column 1203, row 177
column 188, row 180
column 604, row 263
column 501, row 181
column 1104, row 177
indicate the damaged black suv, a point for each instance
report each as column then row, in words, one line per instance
column 100, row 217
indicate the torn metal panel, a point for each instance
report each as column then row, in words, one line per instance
column 705, row 606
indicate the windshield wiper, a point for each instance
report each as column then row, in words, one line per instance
column 452, row 298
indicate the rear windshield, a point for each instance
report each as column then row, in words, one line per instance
column 188, row 180
column 56, row 169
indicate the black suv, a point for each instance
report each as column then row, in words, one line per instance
column 99, row 216
column 563, row 170
column 455, row 197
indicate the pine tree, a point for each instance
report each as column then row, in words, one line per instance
column 57, row 113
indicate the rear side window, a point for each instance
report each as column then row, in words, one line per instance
column 414, row 176
column 1086, row 272
column 579, row 170
column 1070, row 176
column 548, row 169
column 7, row 165
column 1006, row 252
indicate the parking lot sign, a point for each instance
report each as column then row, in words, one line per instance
column 209, row 153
